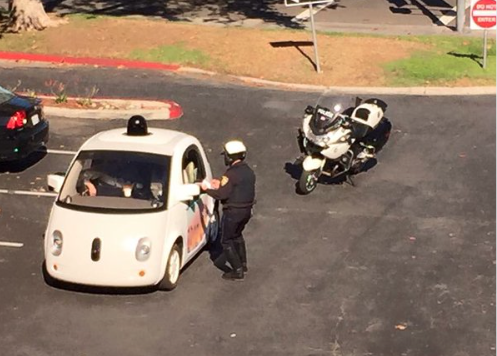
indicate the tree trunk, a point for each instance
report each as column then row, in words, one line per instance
column 28, row 15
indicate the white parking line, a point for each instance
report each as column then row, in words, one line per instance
column 11, row 244
column 61, row 152
column 304, row 15
column 27, row 192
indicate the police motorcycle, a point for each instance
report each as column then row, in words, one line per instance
column 336, row 143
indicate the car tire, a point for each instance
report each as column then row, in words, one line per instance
column 173, row 269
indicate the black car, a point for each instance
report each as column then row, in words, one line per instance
column 23, row 129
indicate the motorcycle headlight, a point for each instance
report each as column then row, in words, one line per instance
column 143, row 249
column 57, row 242
column 322, row 140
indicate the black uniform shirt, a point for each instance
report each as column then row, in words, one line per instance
column 237, row 189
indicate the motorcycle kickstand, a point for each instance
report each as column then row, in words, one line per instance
column 350, row 180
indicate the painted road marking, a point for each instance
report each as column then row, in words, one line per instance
column 27, row 192
column 11, row 244
column 447, row 19
column 304, row 15
column 61, row 152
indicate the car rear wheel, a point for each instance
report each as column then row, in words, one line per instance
column 173, row 267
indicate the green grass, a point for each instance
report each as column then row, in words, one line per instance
column 176, row 53
column 86, row 17
column 447, row 59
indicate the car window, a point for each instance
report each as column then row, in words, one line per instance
column 117, row 180
column 5, row 95
column 193, row 168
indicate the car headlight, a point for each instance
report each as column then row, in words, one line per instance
column 57, row 242
column 143, row 249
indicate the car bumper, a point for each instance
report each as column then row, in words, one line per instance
column 23, row 143
column 126, row 275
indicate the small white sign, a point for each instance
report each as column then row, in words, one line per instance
column 290, row 3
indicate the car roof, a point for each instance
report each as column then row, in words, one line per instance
column 158, row 141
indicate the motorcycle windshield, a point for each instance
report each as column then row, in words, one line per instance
column 323, row 121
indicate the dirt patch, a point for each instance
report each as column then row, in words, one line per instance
column 285, row 56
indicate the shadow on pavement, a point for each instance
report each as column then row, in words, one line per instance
column 404, row 7
column 23, row 164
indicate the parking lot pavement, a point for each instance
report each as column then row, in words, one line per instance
column 404, row 263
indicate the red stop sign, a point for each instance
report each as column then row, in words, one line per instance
column 484, row 13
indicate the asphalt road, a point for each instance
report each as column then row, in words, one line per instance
column 339, row 272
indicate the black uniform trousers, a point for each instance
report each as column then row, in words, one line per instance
column 232, row 225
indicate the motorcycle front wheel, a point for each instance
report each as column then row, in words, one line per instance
column 308, row 181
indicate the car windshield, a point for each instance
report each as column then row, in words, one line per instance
column 5, row 95
column 117, row 180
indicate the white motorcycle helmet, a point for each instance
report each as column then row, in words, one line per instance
column 234, row 150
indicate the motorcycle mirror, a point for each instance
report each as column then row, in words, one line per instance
column 337, row 108
column 309, row 110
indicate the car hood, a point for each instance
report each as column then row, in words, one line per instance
column 82, row 225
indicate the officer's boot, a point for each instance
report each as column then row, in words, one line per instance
column 242, row 253
column 236, row 264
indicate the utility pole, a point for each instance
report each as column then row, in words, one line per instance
column 461, row 15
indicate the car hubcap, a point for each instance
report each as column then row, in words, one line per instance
column 174, row 267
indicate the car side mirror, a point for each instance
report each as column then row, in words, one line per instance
column 187, row 192
column 309, row 110
column 55, row 181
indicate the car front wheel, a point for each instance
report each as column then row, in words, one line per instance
column 173, row 267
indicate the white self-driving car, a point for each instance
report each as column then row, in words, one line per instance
column 129, row 211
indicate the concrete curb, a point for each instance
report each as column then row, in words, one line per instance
column 150, row 109
column 407, row 91
column 98, row 62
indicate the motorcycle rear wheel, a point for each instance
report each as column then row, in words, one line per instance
column 308, row 181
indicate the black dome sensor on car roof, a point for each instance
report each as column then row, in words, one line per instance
column 137, row 126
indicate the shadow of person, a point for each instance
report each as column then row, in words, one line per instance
column 23, row 164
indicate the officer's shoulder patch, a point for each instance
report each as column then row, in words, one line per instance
column 224, row 180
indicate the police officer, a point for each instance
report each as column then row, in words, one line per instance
column 236, row 191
